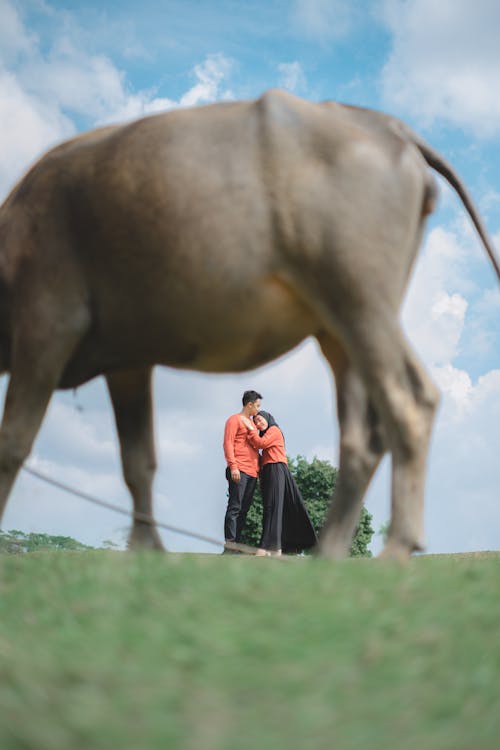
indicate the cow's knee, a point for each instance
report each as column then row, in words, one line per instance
column 359, row 456
column 362, row 445
column 13, row 453
column 138, row 473
column 414, row 404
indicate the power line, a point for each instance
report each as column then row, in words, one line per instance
column 144, row 517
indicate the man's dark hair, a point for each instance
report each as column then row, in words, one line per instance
column 250, row 396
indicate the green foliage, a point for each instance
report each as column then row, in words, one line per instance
column 363, row 535
column 109, row 544
column 17, row 542
column 316, row 480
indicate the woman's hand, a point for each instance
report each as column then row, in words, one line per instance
column 247, row 422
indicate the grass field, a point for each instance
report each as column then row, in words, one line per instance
column 131, row 652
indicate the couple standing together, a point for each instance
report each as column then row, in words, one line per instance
column 286, row 525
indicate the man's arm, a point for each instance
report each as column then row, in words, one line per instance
column 230, row 431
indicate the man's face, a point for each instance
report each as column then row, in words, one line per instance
column 254, row 406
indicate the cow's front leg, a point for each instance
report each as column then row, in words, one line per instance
column 131, row 396
column 42, row 346
column 361, row 449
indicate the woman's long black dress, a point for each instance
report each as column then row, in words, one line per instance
column 286, row 524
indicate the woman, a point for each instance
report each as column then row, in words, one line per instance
column 286, row 524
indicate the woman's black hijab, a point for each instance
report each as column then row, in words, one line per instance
column 271, row 422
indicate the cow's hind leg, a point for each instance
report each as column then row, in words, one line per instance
column 356, row 283
column 131, row 396
column 410, row 399
column 361, row 448
column 405, row 399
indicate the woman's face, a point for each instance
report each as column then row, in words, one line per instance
column 260, row 422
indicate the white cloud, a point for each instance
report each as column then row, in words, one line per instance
column 455, row 385
column 292, row 77
column 29, row 126
column 15, row 39
column 434, row 312
column 88, row 86
column 42, row 92
column 445, row 62
column 29, row 122
column 178, row 437
column 464, row 473
column 210, row 75
column 79, row 436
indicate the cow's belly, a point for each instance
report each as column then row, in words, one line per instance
column 256, row 325
column 223, row 333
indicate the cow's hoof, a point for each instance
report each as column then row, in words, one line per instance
column 396, row 552
column 330, row 550
column 145, row 537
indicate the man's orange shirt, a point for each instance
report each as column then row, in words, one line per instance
column 239, row 453
column 272, row 443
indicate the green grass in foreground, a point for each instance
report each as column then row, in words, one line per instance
column 131, row 652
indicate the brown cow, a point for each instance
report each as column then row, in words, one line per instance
column 216, row 239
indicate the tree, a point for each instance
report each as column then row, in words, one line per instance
column 316, row 480
column 17, row 542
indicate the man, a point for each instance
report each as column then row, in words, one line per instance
column 242, row 467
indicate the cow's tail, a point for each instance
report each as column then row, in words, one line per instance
column 437, row 162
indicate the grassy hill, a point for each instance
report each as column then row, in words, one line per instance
column 130, row 652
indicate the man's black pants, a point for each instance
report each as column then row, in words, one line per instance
column 240, row 499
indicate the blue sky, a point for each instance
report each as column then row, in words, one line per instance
column 70, row 66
